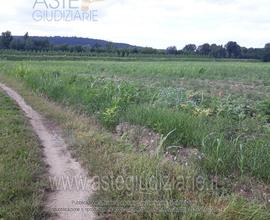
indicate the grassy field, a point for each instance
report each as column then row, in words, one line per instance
column 22, row 179
column 219, row 108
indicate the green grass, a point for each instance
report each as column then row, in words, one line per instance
column 22, row 172
column 230, row 130
column 165, row 70
column 220, row 108
column 103, row 156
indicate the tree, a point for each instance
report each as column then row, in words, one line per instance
column 17, row 44
column 96, row 47
column 148, row 50
column 109, row 47
column 77, row 48
column 244, row 52
column 6, row 39
column 233, row 49
column 26, row 37
column 266, row 55
column 204, row 49
column 267, row 46
column 171, row 50
column 41, row 44
column 63, row 47
column 29, row 45
column 217, row 51
column 134, row 50
column 190, row 48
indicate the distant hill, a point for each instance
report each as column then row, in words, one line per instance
column 57, row 40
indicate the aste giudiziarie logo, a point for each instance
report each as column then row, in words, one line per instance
column 65, row 10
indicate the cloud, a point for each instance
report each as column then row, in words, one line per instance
column 156, row 23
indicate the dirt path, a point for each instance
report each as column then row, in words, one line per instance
column 71, row 187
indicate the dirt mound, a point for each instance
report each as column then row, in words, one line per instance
column 142, row 138
column 146, row 140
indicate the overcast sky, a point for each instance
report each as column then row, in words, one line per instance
column 155, row 23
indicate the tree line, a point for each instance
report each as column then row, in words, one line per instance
column 230, row 50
